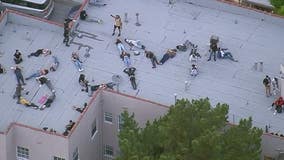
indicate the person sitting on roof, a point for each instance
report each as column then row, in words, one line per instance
column 223, row 54
column 83, row 82
column 134, row 43
column 194, row 70
column 81, row 110
column 278, row 105
column 39, row 52
column 18, row 57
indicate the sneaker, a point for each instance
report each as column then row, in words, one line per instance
column 80, row 70
column 154, row 67
column 274, row 113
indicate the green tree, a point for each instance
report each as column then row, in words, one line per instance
column 190, row 130
column 279, row 6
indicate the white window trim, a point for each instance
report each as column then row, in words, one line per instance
column 94, row 135
column 106, row 120
column 107, row 155
column 22, row 158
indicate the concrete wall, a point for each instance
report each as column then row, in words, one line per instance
column 23, row 19
column 271, row 145
column 3, row 149
column 42, row 146
column 116, row 104
column 89, row 149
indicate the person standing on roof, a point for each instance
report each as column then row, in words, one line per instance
column 267, row 83
column 117, row 24
column 19, row 75
column 67, row 30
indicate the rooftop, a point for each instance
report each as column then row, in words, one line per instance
column 250, row 36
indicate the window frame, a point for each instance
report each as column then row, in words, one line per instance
column 94, row 126
column 120, row 122
column 108, row 115
column 110, row 147
column 75, row 155
column 22, row 153
column 58, row 158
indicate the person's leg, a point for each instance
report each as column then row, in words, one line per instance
column 77, row 64
column 67, row 41
column 22, row 79
column 34, row 75
column 133, row 83
column 155, row 60
column 119, row 30
column 267, row 90
column 119, row 47
column 50, row 86
column 214, row 54
column 165, row 58
column 127, row 62
column 153, row 63
column 211, row 53
column 114, row 27
column 56, row 62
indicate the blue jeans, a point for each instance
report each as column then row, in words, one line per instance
column 34, row 75
column 214, row 54
column 77, row 64
column 120, row 47
column 127, row 61
column 229, row 56
column 165, row 58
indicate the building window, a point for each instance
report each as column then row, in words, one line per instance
column 120, row 122
column 108, row 151
column 76, row 154
column 108, row 117
column 22, row 153
column 94, row 129
column 58, row 158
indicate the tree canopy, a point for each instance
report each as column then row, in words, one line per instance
column 279, row 6
column 191, row 130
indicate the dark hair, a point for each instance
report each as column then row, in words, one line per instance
column 81, row 77
column 117, row 41
column 46, row 71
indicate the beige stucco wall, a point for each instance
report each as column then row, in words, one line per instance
column 89, row 149
column 3, row 154
column 115, row 104
column 42, row 146
column 271, row 144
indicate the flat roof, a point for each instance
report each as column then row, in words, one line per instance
column 251, row 37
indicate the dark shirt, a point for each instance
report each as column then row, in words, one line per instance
column 130, row 71
column 18, row 71
column 17, row 55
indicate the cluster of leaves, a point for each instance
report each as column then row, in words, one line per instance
column 190, row 130
column 279, row 6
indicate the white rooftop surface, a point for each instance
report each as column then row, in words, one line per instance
column 163, row 27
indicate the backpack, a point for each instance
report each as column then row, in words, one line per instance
column 265, row 81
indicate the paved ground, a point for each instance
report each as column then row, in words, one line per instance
column 250, row 36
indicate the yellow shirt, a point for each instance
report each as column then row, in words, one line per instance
column 117, row 22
